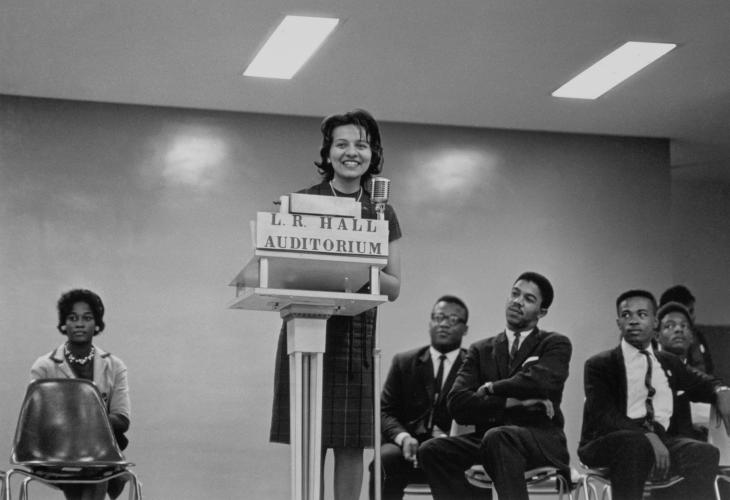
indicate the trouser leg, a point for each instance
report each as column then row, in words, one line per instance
column 629, row 457
column 697, row 462
column 507, row 452
column 444, row 461
column 397, row 473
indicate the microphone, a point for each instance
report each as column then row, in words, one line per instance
column 379, row 189
column 379, row 194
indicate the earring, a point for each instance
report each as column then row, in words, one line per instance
column 96, row 328
column 63, row 328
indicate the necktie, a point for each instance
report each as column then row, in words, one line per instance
column 439, row 380
column 649, row 418
column 515, row 347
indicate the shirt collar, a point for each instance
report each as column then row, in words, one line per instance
column 630, row 351
column 511, row 335
column 450, row 356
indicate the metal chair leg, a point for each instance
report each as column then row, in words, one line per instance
column 24, row 488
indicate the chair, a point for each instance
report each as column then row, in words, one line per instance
column 723, row 476
column 599, row 475
column 63, row 436
column 718, row 438
column 540, row 481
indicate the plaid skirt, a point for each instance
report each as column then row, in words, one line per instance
column 347, row 395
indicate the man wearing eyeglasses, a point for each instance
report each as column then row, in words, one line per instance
column 413, row 402
column 636, row 415
column 509, row 388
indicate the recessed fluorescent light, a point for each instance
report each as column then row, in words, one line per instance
column 290, row 46
column 613, row 69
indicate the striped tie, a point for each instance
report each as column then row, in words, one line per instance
column 649, row 418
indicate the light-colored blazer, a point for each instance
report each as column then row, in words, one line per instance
column 110, row 376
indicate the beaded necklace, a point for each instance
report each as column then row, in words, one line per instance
column 79, row 361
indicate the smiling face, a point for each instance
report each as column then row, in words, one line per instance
column 350, row 153
column 524, row 306
column 80, row 324
column 637, row 321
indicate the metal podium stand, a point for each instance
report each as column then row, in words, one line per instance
column 307, row 260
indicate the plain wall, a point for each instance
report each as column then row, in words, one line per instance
column 150, row 208
column 700, row 239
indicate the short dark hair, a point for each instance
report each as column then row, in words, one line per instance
column 673, row 307
column 543, row 284
column 636, row 293
column 452, row 299
column 677, row 293
column 67, row 301
column 359, row 118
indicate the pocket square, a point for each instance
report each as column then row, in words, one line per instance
column 680, row 392
column 531, row 359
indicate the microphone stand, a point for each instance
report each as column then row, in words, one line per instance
column 380, row 211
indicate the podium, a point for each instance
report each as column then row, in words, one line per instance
column 308, row 260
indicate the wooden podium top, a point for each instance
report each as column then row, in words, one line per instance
column 314, row 253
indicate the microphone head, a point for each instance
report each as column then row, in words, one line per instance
column 379, row 189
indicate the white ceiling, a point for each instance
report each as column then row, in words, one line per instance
column 486, row 63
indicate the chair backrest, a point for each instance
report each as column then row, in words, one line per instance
column 63, row 422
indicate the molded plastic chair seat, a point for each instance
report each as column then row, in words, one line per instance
column 547, row 480
column 63, row 436
column 600, row 474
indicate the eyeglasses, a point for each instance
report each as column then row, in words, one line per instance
column 451, row 319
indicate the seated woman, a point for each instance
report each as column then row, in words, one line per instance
column 80, row 318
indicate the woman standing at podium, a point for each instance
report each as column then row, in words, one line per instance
column 350, row 154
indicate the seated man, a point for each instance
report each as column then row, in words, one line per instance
column 675, row 336
column 413, row 402
column 510, row 388
column 634, row 420
column 675, row 330
column 698, row 353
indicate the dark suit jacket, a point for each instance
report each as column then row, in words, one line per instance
column 539, row 371
column 605, row 390
column 408, row 395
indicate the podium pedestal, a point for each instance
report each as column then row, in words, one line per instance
column 306, row 314
column 306, row 334
column 302, row 262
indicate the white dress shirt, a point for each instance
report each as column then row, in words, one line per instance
column 448, row 362
column 636, row 391
column 511, row 338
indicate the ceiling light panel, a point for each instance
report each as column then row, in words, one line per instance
column 616, row 67
column 290, row 46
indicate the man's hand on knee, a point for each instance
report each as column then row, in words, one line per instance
column 661, row 456
column 409, row 448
